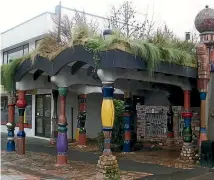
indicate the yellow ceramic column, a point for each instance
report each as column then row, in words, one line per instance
column 107, row 115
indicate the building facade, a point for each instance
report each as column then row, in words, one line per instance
column 23, row 39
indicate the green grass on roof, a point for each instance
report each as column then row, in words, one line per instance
column 154, row 50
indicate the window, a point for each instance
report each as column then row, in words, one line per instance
column 37, row 42
column 5, row 57
column 15, row 53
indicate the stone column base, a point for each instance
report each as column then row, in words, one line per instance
column 169, row 142
column 188, row 154
column 108, row 166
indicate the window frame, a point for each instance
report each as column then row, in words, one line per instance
column 37, row 42
column 13, row 50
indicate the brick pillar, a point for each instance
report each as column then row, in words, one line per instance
column 62, row 141
column 82, row 119
column 54, row 118
column 11, row 121
column 21, row 104
column 127, row 119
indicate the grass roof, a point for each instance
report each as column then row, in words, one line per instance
column 154, row 50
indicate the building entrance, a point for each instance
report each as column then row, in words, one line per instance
column 43, row 115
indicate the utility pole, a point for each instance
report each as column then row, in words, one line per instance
column 58, row 13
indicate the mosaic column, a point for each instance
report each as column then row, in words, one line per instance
column 107, row 162
column 187, row 115
column 54, row 118
column 21, row 104
column 170, row 122
column 127, row 119
column 82, row 119
column 204, row 23
column 188, row 151
column 203, row 79
column 11, row 121
column 62, row 141
column 107, row 115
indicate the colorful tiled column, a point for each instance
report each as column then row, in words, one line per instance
column 62, row 141
column 54, row 118
column 107, row 162
column 21, row 104
column 127, row 119
column 82, row 119
column 203, row 79
column 204, row 23
column 11, row 121
column 187, row 152
column 187, row 115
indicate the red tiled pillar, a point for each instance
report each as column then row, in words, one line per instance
column 82, row 119
column 21, row 104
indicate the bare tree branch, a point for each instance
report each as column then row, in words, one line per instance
column 124, row 20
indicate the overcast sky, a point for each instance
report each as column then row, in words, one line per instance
column 179, row 15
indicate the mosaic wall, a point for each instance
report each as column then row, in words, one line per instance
column 152, row 121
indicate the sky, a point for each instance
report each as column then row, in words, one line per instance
column 179, row 15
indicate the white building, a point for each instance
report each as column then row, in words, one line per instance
column 19, row 41
column 22, row 39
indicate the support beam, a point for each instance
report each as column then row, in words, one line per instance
column 82, row 119
column 54, row 118
column 62, row 140
column 76, row 66
column 11, row 121
column 127, row 119
column 21, row 104
column 37, row 74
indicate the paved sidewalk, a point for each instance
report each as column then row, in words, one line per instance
column 159, row 172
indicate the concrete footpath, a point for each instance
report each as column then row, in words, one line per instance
column 159, row 172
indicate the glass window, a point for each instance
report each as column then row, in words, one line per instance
column 5, row 57
column 26, row 49
column 16, row 53
column 37, row 42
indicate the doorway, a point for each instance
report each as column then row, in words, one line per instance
column 43, row 115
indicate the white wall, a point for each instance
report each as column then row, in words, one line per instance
column 32, row 28
column 93, row 117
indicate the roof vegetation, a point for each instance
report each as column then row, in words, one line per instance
column 154, row 49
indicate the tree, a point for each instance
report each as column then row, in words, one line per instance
column 123, row 19
column 64, row 26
